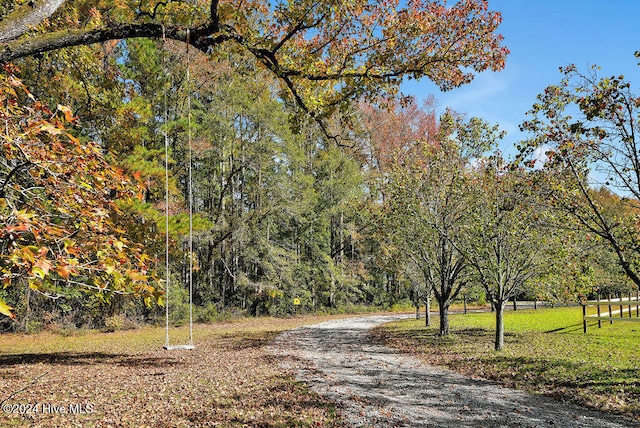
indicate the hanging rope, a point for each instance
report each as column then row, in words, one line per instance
column 166, row 194
column 190, row 344
column 190, row 193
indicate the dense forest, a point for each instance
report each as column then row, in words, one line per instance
column 331, row 197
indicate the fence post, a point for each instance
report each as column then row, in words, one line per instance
column 599, row 320
column 637, row 307
column 620, row 299
column 584, row 319
column 610, row 314
column 630, row 313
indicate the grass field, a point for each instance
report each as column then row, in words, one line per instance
column 545, row 352
column 126, row 379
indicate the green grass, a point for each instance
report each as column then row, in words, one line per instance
column 545, row 352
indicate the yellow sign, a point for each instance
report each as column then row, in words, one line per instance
column 296, row 301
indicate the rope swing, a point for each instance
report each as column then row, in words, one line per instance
column 167, row 344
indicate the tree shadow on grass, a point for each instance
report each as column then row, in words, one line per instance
column 535, row 367
column 542, row 371
column 557, row 376
column 429, row 336
column 85, row 359
column 246, row 340
column 567, row 329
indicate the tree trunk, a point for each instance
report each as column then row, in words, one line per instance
column 341, row 236
column 499, row 343
column 26, row 17
column 332, row 293
column 416, row 300
column 443, row 309
column 427, row 312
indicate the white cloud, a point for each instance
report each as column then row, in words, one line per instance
column 477, row 97
column 539, row 154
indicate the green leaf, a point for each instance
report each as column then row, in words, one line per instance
column 38, row 271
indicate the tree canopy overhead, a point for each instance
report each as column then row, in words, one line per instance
column 323, row 51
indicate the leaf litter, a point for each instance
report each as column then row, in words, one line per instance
column 126, row 379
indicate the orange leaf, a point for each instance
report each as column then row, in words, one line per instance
column 44, row 265
column 68, row 115
column 64, row 271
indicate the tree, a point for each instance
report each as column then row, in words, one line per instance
column 427, row 207
column 324, row 53
column 587, row 128
column 428, row 213
column 577, row 265
column 391, row 136
column 505, row 245
column 58, row 216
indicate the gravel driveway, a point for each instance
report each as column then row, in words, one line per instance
column 377, row 386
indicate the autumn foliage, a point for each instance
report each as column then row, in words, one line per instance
column 325, row 54
column 57, row 206
column 278, row 208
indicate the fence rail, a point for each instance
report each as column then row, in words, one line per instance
column 616, row 306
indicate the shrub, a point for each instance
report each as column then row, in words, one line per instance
column 207, row 314
column 178, row 306
column 119, row 322
column 63, row 328
column 402, row 306
column 482, row 300
column 113, row 323
column 33, row 326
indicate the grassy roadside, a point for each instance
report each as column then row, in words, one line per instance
column 127, row 379
column 545, row 352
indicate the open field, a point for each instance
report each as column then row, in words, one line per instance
column 545, row 352
column 126, row 379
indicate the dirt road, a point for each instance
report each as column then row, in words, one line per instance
column 376, row 386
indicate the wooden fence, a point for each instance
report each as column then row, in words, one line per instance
column 618, row 309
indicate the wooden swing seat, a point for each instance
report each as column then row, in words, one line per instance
column 178, row 347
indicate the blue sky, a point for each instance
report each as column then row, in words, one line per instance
column 542, row 36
